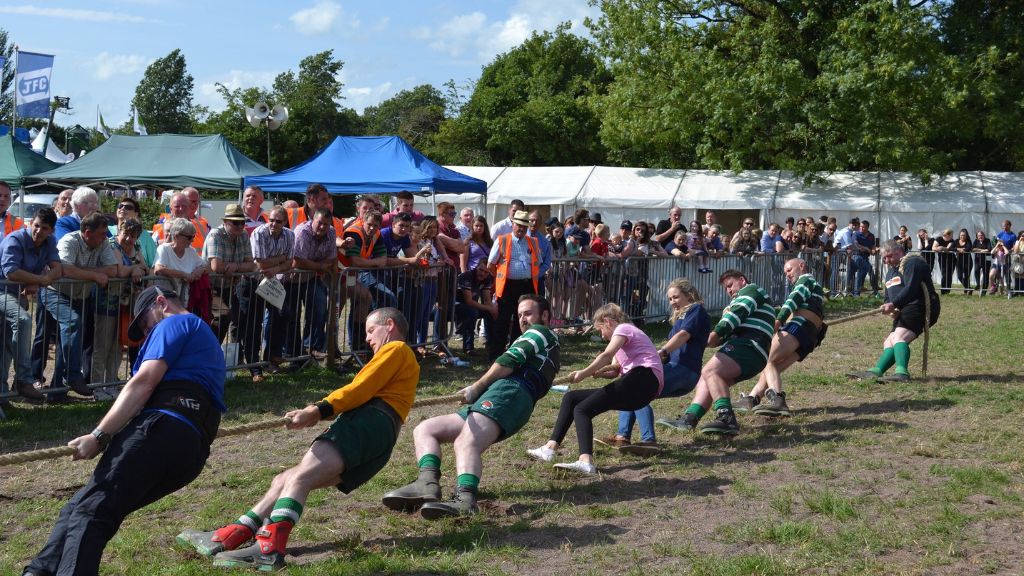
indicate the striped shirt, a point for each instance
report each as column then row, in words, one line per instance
column 749, row 315
column 264, row 245
column 807, row 294
column 537, row 350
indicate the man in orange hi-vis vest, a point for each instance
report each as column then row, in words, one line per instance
column 179, row 206
column 515, row 262
column 10, row 222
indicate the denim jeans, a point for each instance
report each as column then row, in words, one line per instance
column 381, row 295
column 679, row 380
column 425, row 300
column 69, row 316
column 314, row 329
column 16, row 344
column 861, row 266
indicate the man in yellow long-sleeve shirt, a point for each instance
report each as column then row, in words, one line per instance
column 357, row 445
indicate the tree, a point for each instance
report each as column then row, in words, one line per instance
column 415, row 115
column 315, row 117
column 987, row 37
column 790, row 84
column 532, row 106
column 163, row 97
column 6, row 78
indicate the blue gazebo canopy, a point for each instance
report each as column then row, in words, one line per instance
column 369, row 165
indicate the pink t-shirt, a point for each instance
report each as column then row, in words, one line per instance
column 638, row 351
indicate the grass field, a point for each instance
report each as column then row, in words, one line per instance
column 916, row 478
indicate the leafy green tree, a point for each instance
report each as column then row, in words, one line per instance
column 415, row 115
column 791, row 84
column 987, row 37
column 164, row 96
column 6, row 78
column 532, row 106
column 315, row 115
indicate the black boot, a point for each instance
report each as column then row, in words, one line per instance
column 463, row 504
column 426, row 488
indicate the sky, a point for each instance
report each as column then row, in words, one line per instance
column 102, row 47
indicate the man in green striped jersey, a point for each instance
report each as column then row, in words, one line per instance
column 499, row 403
column 793, row 341
column 744, row 334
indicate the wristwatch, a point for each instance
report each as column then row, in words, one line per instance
column 102, row 438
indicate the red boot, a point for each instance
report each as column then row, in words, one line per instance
column 266, row 554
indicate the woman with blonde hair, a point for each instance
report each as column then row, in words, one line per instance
column 682, row 354
column 632, row 360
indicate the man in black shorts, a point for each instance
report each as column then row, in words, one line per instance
column 798, row 331
column 499, row 403
column 908, row 282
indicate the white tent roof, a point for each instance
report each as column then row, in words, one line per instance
column 539, row 185
column 753, row 189
column 956, row 192
column 847, row 191
column 1005, row 192
column 630, row 188
column 486, row 173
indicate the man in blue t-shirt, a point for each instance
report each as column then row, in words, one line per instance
column 1008, row 238
column 159, row 432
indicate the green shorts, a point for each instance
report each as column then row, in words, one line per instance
column 748, row 354
column 505, row 402
column 364, row 437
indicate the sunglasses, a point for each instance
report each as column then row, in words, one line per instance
column 748, row 223
column 126, row 207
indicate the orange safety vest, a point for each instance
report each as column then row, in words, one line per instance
column 366, row 251
column 11, row 224
column 197, row 240
column 503, row 266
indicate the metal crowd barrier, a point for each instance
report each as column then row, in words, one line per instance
column 78, row 328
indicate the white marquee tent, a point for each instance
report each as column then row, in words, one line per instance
column 972, row 200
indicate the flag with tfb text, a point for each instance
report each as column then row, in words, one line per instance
column 32, row 85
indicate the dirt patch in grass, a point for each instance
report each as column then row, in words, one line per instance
column 916, row 478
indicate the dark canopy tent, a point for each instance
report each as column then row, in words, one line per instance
column 162, row 161
column 369, row 165
column 17, row 161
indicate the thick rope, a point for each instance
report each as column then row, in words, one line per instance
column 853, row 317
column 927, row 321
column 241, row 429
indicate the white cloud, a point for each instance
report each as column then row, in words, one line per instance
column 209, row 96
column 109, row 65
column 322, row 17
column 486, row 38
column 72, row 14
column 358, row 98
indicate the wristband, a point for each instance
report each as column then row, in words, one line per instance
column 325, row 408
column 102, row 438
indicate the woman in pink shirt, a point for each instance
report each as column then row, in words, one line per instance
column 632, row 360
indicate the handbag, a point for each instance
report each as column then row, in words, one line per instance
column 1018, row 267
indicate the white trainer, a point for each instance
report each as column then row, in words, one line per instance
column 579, row 466
column 544, row 454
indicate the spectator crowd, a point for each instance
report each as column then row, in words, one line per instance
column 451, row 274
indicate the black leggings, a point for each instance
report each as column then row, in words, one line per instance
column 631, row 391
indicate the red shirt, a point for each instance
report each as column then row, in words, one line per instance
column 599, row 247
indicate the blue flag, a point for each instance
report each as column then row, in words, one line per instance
column 32, row 93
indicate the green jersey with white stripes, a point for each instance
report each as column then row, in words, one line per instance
column 807, row 294
column 749, row 315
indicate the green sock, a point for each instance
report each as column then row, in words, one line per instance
column 286, row 510
column 430, row 461
column 251, row 520
column 723, row 402
column 697, row 410
column 902, row 352
column 885, row 362
column 469, row 480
